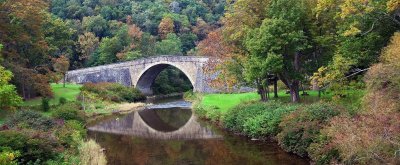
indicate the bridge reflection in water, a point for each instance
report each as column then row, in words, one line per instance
column 168, row 133
column 159, row 122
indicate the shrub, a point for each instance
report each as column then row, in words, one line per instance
column 302, row 127
column 8, row 157
column 34, row 147
column 69, row 111
column 190, row 95
column 371, row 136
column 71, row 134
column 114, row 92
column 91, row 153
column 267, row 123
column 45, row 104
column 62, row 100
column 256, row 119
column 29, row 119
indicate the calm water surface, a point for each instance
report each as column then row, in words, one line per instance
column 169, row 133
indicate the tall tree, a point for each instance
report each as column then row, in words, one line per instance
column 220, row 63
column 87, row 44
column 26, row 50
column 95, row 24
column 172, row 45
column 166, row 26
column 363, row 28
column 8, row 95
column 61, row 66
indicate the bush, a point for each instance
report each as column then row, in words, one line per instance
column 302, row 127
column 69, row 111
column 371, row 136
column 267, row 123
column 62, row 100
column 114, row 92
column 71, row 134
column 211, row 113
column 29, row 119
column 34, row 147
column 8, row 157
column 45, row 104
column 256, row 119
column 91, row 153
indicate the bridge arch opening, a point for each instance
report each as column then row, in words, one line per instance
column 164, row 79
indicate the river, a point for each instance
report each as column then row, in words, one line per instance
column 170, row 133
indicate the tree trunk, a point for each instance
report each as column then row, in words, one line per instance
column 64, row 81
column 276, row 87
column 294, row 91
column 263, row 93
column 23, row 91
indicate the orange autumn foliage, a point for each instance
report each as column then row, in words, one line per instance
column 222, row 55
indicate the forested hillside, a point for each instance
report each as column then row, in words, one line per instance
column 44, row 39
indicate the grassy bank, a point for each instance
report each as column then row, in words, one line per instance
column 224, row 102
column 298, row 128
column 70, row 92
column 55, row 134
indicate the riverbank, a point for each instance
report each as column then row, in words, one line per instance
column 297, row 128
column 54, row 130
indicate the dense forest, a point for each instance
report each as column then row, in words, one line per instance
column 42, row 40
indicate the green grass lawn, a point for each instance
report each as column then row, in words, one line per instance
column 70, row 92
column 227, row 101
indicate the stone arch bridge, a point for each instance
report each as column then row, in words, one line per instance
column 141, row 73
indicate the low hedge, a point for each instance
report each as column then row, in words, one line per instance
column 302, row 127
column 114, row 92
column 257, row 119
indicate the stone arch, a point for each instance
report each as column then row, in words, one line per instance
column 148, row 75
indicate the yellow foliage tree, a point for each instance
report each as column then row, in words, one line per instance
column 165, row 27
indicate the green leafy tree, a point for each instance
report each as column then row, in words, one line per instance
column 172, row 45
column 8, row 94
column 95, row 24
column 59, row 36
column 281, row 35
column 108, row 49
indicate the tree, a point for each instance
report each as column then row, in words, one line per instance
column 26, row 50
column 188, row 41
column 223, row 62
column 251, row 14
column 95, row 24
column 201, row 29
column 108, row 49
column 61, row 65
column 8, row 95
column 58, row 35
column 258, row 72
column 171, row 45
column 87, row 44
column 362, row 29
column 272, row 36
column 166, row 26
